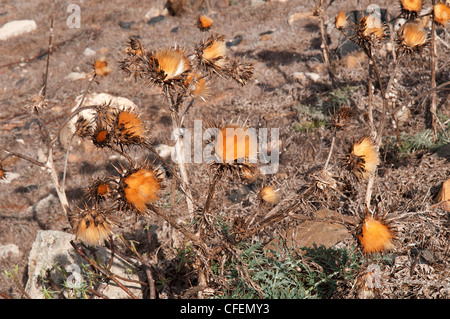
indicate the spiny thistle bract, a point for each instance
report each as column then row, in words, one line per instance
column 363, row 158
column 172, row 63
column 410, row 9
column 138, row 187
column 91, row 226
column 441, row 13
column 128, row 128
column 411, row 37
column 375, row 235
column 198, row 85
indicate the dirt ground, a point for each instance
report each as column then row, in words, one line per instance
column 406, row 183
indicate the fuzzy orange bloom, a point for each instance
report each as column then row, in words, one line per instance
column 411, row 5
column 214, row 52
column 130, row 124
column 376, row 236
column 441, row 13
column 101, row 67
column 412, row 35
column 204, row 23
column 444, row 195
column 92, row 227
column 173, row 62
column 101, row 137
column 363, row 158
column 141, row 188
column 269, row 195
column 199, row 88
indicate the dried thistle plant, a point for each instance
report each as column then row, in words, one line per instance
column 91, row 225
column 375, row 235
column 441, row 13
column 410, row 9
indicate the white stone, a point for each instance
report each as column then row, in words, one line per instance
column 164, row 150
column 89, row 52
column 92, row 99
column 302, row 76
column 73, row 76
column 9, row 249
column 16, row 28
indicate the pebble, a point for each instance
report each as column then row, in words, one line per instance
column 155, row 20
column 77, row 76
column 89, row 52
column 302, row 76
column 16, row 28
column 6, row 250
column 126, row 25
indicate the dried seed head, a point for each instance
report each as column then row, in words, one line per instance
column 369, row 30
column 99, row 190
column 101, row 67
column 172, row 63
column 376, row 236
column 133, row 65
column 212, row 53
column 411, row 37
column 83, row 127
column 92, row 227
column 240, row 70
column 441, row 13
column 341, row 21
column 362, row 159
column 139, row 187
column 204, row 23
column 269, row 195
column 410, row 8
column 340, row 118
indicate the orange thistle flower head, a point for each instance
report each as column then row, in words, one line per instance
column 92, row 227
column 341, row 20
column 411, row 37
column 140, row 187
column 101, row 137
column 129, row 128
column 212, row 53
column 410, row 8
column 101, row 67
column 363, row 158
column 369, row 30
column 441, row 13
column 172, row 62
column 204, row 23
column 269, row 195
column 199, row 88
column 376, row 236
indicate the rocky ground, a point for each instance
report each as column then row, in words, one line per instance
column 290, row 90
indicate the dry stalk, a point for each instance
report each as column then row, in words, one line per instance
column 433, row 105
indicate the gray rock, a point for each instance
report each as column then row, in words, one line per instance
column 52, row 249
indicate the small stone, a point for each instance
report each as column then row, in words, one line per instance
column 16, row 28
column 73, row 76
column 89, row 52
column 126, row 25
column 8, row 250
column 155, row 20
column 237, row 39
column 304, row 76
column 299, row 15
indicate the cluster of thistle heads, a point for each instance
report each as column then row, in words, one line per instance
column 412, row 36
column 180, row 72
column 180, row 75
